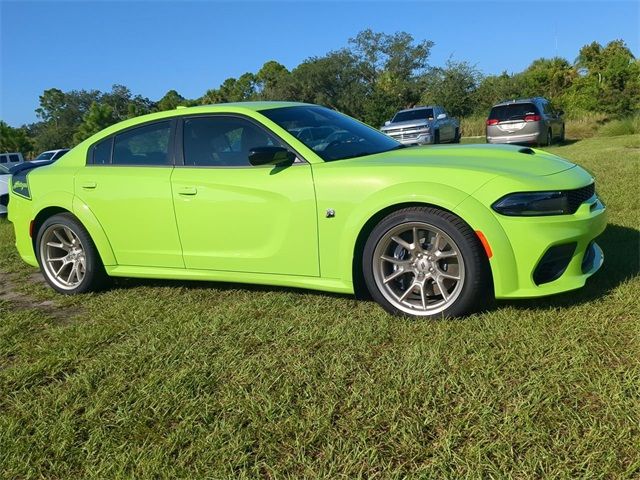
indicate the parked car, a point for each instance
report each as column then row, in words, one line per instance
column 525, row 121
column 8, row 159
column 51, row 154
column 423, row 125
column 227, row 192
column 4, row 188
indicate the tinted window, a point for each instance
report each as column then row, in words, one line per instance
column 417, row 114
column 45, row 156
column 3, row 159
column 330, row 134
column 223, row 141
column 514, row 111
column 59, row 154
column 102, row 152
column 148, row 145
column 14, row 158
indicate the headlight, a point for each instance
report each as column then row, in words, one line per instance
column 533, row 203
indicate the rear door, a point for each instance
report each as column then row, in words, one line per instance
column 127, row 186
column 236, row 217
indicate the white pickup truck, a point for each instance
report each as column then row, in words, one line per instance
column 423, row 125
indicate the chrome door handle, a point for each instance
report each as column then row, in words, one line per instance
column 89, row 185
column 187, row 191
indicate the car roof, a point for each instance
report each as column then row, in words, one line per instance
column 55, row 151
column 419, row 107
column 519, row 100
column 231, row 108
column 255, row 106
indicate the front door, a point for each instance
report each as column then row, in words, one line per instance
column 236, row 217
column 127, row 186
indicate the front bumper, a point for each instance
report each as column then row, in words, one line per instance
column 531, row 238
column 521, row 245
column 421, row 139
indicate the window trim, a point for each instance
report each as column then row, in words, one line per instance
column 179, row 141
column 171, row 148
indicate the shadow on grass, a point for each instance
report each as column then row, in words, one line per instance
column 621, row 246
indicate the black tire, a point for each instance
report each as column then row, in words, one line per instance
column 456, row 138
column 549, row 141
column 436, row 137
column 562, row 135
column 94, row 275
column 477, row 285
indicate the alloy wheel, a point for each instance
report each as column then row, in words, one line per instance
column 63, row 256
column 418, row 268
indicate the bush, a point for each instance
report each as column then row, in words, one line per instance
column 624, row 126
column 473, row 126
column 583, row 127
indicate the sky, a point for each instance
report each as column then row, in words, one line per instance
column 192, row 46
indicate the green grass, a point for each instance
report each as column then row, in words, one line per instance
column 168, row 379
column 624, row 126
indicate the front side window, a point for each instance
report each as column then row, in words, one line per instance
column 332, row 135
column 3, row 159
column 223, row 141
column 147, row 145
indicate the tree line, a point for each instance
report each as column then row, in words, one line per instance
column 371, row 78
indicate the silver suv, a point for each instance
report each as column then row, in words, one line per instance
column 423, row 125
column 526, row 121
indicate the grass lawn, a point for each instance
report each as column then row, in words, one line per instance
column 169, row 379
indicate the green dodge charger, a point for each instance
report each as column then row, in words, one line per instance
column 299, row 195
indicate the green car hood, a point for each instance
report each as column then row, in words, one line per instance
column 498, row 159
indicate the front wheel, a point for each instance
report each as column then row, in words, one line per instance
column 425, row 262
column 68, row 259
column 456, row 137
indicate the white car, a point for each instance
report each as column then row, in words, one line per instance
column 51, row 154
column 4, row 188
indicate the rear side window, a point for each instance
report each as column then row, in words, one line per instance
column 14, row 158
column 514, row 111
column 148, row 145
column 102, row 152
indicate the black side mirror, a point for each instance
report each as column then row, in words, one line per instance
column 271, row 156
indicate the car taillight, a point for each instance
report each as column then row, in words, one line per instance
column 492, row 121
column 532, row 118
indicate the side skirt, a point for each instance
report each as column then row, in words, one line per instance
column 312, row 283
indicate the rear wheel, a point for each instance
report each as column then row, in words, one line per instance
column 425, row 262
column 68, row 259
column 456, row 138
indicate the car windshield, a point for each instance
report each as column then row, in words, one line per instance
column 514, row 111
column 45, row 156
column 415, row 114
column 332, row 135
